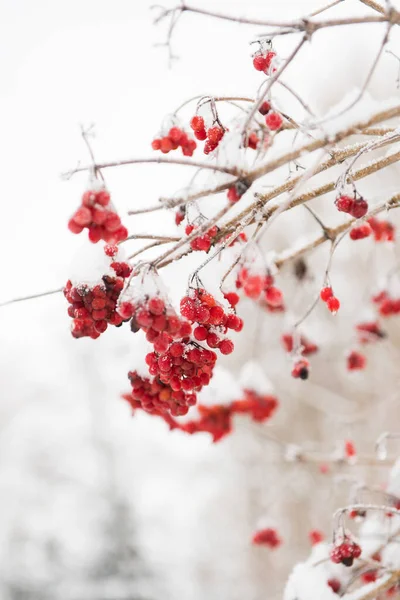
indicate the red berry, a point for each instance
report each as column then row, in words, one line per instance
column 232, row 298
column 326, row 293
column 273, row 296
column 233, row 195
column 359, row 208
column 361, row 232
column 200, row 333
column 156, row 144
column 226, row 347
column 264, row 108
column 175, row 134
column 273, row 121
column 316, row 536
column 260, row 62
column 333, row 304
column 197, row 123
column 215, row 134
column 103, row 197
column 74, row 227
column 110, row 250
column 156, row 306
column 344, row 204
column 83, row 216
column 165, row 145
column 356, row 361
column 200, row 135
column 334, row 584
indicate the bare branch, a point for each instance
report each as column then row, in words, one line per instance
column 154, row 159
column 289, row 256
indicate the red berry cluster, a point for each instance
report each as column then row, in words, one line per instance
column 262, row 61
column 259, row 407
column 179, row 364
column 216, row 419
column 212, row 136
column 316, row 537
column 330, row 300
column 267, row 537
column 94, row 308
column 98, row 217
column 307, row 347
column 254, row 285
column 361, row 232
column 346, row 552
column 174, row 139
column 356, row 361
column 301, row 369
column 211, row 320
column 356, row 207
column 203, row 242
column 369, row 332
column 383, row 231
column 387, row 306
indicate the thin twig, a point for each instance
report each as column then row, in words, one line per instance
column 32, row 297
column 154, row 159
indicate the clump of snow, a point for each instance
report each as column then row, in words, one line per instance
column 222, row 389
column 308, row 583
column 253, row 377
column 89, row 264
column 361, row 111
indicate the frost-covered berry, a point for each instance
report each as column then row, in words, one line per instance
column 326, row 293
column 264, row 108
column 197, row 123
column 333, row 304
column 344, row 203
column 359, row 208
column 273, row 121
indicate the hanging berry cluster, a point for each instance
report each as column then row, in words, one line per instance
column 330, row 300
column 254, row 285
column 217, row 419
column 174, row 139
column 98, row 216
column 262, row 61
column 212, row 136
column 356, row 207
column 93, row 308
column 387, row 305
column 345, row 552
column 179, row 363
column 383, row 231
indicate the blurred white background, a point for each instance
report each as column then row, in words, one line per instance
column 95, row 504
